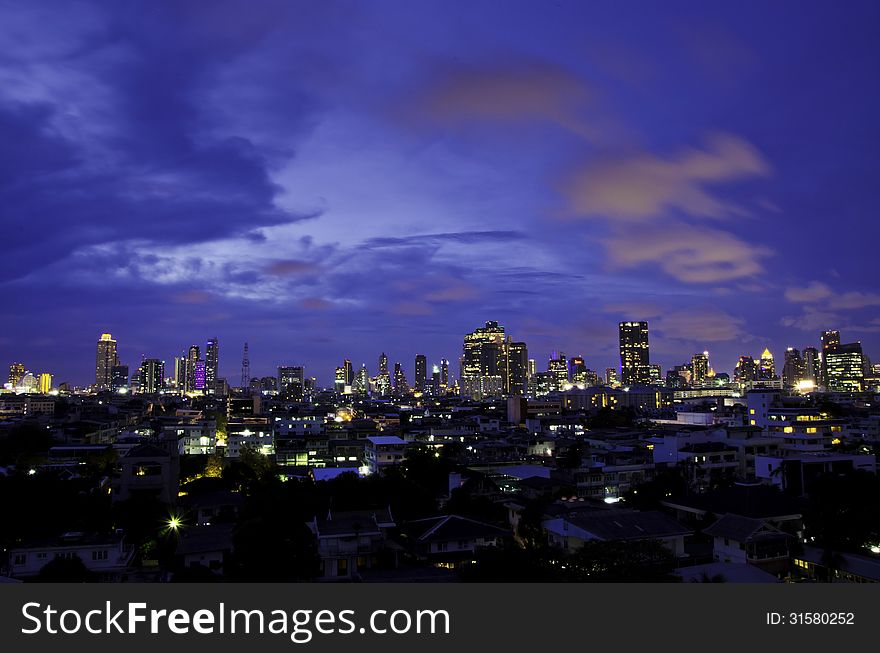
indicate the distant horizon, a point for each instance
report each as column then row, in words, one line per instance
column 408, row 364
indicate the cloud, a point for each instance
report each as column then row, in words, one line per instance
column 701, row 325
column 645, row 187
column 694, row 254
column 817, row 291
column 513, row 91
column 291, row 268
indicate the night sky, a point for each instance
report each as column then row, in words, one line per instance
column 335, row 179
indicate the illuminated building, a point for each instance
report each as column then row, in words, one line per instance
column 16, row 372
column 212, row 361
column 829, row 339
column 105, row 360
column 192, row 357
column 348, row 372
column 45, row 381
column 493, row 364
column 746, row 371
column 444, row 374
column 291, row 381
column 383, row 379
column 199, row 376
column 421, row 375
column 401, row 386
column 339, row 380
column 812, row 365
column 151, row 376
column 844, row 367
column 766, row 367
column 792, row 368
column 699, row 369
column 362, row 381
column 577, row 371
column 611, row 378
column 119, row 378
column 435, row 380
column 634, row 353
column 558, row 367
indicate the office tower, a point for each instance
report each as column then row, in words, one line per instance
column 792, row 368
column 339, row 380
column 746, row 370
column 421, row 374
column 435, row 380
column 192, row 357
column 105, row 359
column 844, row 367
column 180, row 373
column 119, row 378
column 699, row 369
column 655, row 374
column 766, row 366
column 634, row 353
column 611, row 378
column 45, row 382
column 291, row 382
column 16, row 372
column 151, row 376
column 674, row 379
column 829, row 339
column 212, row 362
column 348, row 372
column 812, row 365
column 401, row 386
column 362, row 381
column 444, row 374
column 245, row 368
column 577, row 371
column 200, row 376
column 515, row 373
column 383, row 363
column 558, row 367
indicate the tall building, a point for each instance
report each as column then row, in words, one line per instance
column 766, row 366
column 45, row 381
column 383, row 363
column 151, row 376
column 746, row 370
column 792, row 368
column 348, row 372
column 577, row 370
column 611, row 378
column 291, row 382
column 119, row 378
column 482, row 358
column 401, row 386
column 558, row 367
column 829, row 339
column 362, row 381
column 212, row 363
column 812, row 365
column 421, row 373
column 16, row 373
column 634, row 353
column 444, row 374
column 105, row 360
column 192, row 357
column 515, row 372
column 844, row 367
column 200, row 376
column 339, row 380
column 700, row 369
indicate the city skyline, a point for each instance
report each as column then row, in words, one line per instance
column 282, row 179
column 230, row 371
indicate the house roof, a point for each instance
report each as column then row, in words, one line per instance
column 848, row 562
column 451, row 527
column 736, row 527
column 756, row 501
column 628, row 524
column 203, row 539
column 354, row 522
column 146, row 451
column 386, row 439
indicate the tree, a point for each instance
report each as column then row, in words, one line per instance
column 65, row 570
column 617, row 562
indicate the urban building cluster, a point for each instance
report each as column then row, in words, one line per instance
column 701, row 473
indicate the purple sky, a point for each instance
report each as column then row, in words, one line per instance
column 335, row 179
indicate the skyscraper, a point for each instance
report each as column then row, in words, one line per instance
column 746, row 370
column 812, row 365
column 492, row 363
column 558, row 367
column 766, row 366
column 421, row 373
column 444, row 374
column 119, row 378
column 348, row 372
column 700, row 369
column 516, row 367
column 45, row 380
column 105, row 360
column 291, row 382
column 16, row 372
column 192, row 357
column 151, row 376
column 634, row 353
column 792, row 368
column 212, row 362
column 844, row 367
column 829, row 339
